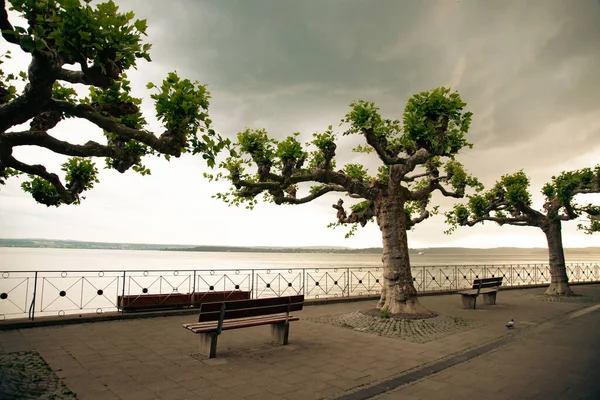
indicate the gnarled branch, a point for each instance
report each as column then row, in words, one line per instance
column 43, row 139
column 356, row 217
column 63, row 195
column 316, row 194
column 168, row 143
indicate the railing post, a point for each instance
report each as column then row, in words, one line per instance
column 123, row 292
column 252, row 285
column 194, row 283
column 32, row 306
column 304, row 282
column 456, row 277
column 348, row 283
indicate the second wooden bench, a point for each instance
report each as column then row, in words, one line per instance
column 488, row 287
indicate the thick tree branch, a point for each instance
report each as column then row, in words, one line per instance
column 414, row 177
column 517, row 221
column 379, row 143
column 316, row 194
column 43, row 139
column 91, row 79
column 423, row 213
column 63, row 195
column 279, row 183
column 168, row 143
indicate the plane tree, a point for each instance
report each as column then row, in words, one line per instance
column 72, row 45
column 509, row 203
column 415, row 158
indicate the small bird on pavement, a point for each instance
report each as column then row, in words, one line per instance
column 511, row 324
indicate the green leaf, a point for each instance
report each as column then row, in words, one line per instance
column 28, row 44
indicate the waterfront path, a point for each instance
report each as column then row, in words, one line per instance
column 554, row 352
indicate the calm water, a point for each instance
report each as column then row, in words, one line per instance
column 40, row 259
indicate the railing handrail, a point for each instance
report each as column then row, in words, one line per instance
column 84, row 290
column 447, row 265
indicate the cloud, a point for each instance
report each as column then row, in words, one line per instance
column 528, row 71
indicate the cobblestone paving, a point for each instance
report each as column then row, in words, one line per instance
column 417, row 330
column 25, row 375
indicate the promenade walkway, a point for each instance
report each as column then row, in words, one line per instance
column 550, row 354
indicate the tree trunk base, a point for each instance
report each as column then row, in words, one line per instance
column 400, row 308
column 559, row 289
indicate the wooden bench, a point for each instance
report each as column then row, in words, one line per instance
column 221, row 316
column 488, row 287
column 176, row 300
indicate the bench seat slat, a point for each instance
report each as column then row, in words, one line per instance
column 473, row 292
column 238, row 323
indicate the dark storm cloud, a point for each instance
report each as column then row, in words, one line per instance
column 524, row 63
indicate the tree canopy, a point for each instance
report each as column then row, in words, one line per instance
column 432, row 128
column 73, row 43
column 416, row 158
column 509, row 202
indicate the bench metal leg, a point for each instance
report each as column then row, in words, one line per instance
column 489, row 298
column 280, row 333
column 469, row 301
column 208, row 344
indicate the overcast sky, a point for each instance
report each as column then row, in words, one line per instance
column 529, row 71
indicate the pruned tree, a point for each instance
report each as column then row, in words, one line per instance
column 76, row 44
column 416, row 159
column 509, row 203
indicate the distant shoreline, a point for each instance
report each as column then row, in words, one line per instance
column 73, row 244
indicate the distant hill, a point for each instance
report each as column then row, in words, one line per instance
column 75, row 244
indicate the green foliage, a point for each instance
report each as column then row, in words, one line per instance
column 290, row 149
column 80, row 171
column 458, row 177
column 7, row 173
column 350, row 233
column 258, row 145
column 80, row 175
column 7, row 90
column 325, row 144
column 567, row 184
column 42, row 191
column 435, row 120
column 385, row 314
column 61, row 92
column 182, row 105
column 364, row 116
column 363, row 149
column 97, row 35
column 356, row 171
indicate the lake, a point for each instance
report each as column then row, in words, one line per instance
column 48, row 259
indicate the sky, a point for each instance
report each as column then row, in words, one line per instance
column 528, row 70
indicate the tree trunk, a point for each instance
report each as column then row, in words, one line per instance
column 559, row 282
column 398, row 295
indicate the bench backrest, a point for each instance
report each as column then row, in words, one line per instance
column 485, row 283
column 249, row 308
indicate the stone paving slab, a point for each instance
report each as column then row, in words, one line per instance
column 154, row 358
column 563, row 363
